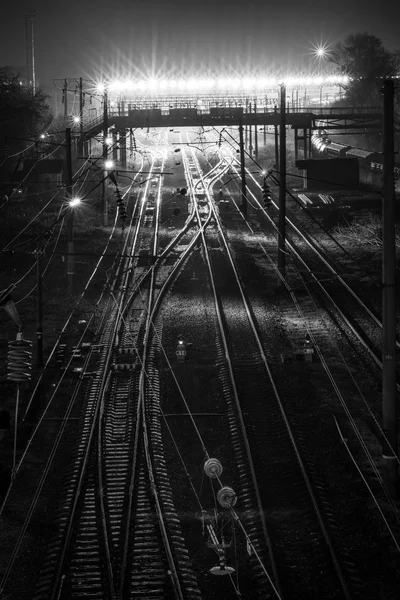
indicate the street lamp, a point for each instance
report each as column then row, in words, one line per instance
column 320, row 52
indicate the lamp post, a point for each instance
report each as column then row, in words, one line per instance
column 320, row 53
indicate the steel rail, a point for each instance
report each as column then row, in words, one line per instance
column 302, row 465
column 375, row 358
column 276, row 587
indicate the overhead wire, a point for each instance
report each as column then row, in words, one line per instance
column 337, row 391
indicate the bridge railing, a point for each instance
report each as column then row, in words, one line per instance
column 337, row 110
column 124, row 110
column 89, row 125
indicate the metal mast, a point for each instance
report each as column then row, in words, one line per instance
column 30, row 52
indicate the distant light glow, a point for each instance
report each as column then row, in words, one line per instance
column 109, row 164
column 108, row 141
column 77, row 119
column 153, row 86
column 74, row 202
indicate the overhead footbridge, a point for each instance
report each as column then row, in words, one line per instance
column 126, row 117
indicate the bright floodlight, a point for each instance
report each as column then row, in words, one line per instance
column 74, row 202
column 108, row 141
column 42, row 136
column 320, row 51
column 109, row 164
column 77, row 119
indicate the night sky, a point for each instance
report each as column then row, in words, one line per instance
column 149, row 38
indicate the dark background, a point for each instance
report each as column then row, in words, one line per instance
column 150, row 38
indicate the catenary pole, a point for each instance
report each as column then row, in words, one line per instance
column 70, row 214
column 282, row 184
column 39, row 308
column 389, row 391
column 276, row 138
column 105, row 134
column 80, row 149
column 65, row 99
column 242, row 170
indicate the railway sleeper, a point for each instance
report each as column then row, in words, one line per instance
column 124, row 366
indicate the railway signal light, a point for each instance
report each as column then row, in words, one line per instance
column 266, row 195
column 308, row 349
column 181, row 349
column 120, row 204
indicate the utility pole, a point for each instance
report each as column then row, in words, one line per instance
column 282, row 184
column 242, row 170
column 80, row 149
column 105, row 134
column 39, row 309
column 276, row 139
column 65, row 99
column 389, row 390
column 70, row 214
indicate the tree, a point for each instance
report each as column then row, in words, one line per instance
column 364, row 59
column 22, row 114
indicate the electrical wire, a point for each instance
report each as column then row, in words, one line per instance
column 333, row 382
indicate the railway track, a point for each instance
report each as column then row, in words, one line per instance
column 115, row 537
column 312, row 267
column 258, row 396
column 295, row 310
column 119, row 531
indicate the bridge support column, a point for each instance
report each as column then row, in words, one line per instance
column 250, row 138
column 296, row 144
column 114, row 147
column 265, row 127
column 255, row 133
column 305, row 143
column 122, row 149
column 246, row 137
